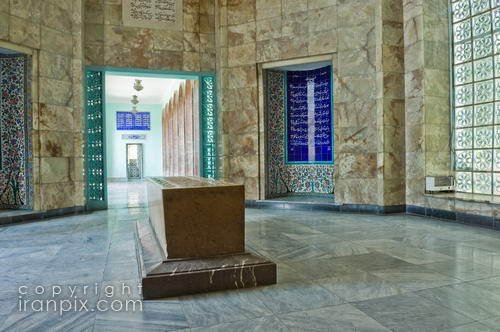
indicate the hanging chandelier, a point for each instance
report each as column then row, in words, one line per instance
column 138, row 85
column 134, row 101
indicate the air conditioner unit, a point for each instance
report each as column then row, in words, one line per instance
column 439, row 183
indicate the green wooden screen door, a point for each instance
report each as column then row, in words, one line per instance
column 208, row 129
column 95, row 174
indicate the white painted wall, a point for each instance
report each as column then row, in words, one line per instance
column 116, row 146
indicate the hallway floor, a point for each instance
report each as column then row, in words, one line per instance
column 344, row 272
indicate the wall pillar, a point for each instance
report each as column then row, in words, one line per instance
column 427, row 107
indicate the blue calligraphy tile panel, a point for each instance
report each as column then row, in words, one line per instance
column 283, row 177
column 133, row 121
column 309, row 116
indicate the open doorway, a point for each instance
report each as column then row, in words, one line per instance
column 172, row 116
column 150, row 121
column 16, row 186
column 134, row 162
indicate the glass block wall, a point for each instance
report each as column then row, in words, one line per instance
column 476, row 97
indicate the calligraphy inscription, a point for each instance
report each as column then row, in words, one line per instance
column 309, row 116
column 133, row 121
column 157, row 14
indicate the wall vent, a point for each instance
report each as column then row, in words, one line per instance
column 439, row 183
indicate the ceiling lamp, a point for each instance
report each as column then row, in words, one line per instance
column 138, row 85
column 134, row 101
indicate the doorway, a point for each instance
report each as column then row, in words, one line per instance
column 134, row 161
column 101, row 120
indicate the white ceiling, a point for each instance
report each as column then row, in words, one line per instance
column 119, row 89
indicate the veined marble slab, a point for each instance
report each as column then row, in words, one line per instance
column 174, row 277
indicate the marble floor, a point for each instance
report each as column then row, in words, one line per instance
column 337, row 272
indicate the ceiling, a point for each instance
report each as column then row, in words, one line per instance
column 119, row 89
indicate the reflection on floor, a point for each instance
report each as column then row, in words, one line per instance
column 340, row 272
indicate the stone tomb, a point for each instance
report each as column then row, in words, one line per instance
column 195, row 240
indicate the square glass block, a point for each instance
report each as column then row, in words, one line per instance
column 496, row 183
column 496, row 137
column 464, row 117
column 483, row 160
column 483, row 47
column 464, row 182
column 462, row 31
column 482, row 183
column 497, row 89
column 496, row 160
column 483, row 69
column 497, row 65
column 481, row 24
column 497, row 112
column 483, row 137
column 495, row 17
column 464, row 95
column 463, row 73
column 479, row 6
column 463, row 138
column 463, row 160
column 483, row 114
column 463, row 52
column 496, row 41
column 460, row 10
column 484, row 91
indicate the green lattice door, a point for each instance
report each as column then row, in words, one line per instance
column 94, row 157
column 208, row 125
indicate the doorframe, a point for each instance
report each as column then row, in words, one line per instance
column 140, row 159
column 160, row 73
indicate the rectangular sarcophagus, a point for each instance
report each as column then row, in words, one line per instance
column 196, row 217
column 194, row 240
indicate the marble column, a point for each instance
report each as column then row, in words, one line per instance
column 196, row 127
column 188, row 120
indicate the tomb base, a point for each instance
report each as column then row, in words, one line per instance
column 165, row 278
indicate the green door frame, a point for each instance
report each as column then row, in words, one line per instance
column 95, row 129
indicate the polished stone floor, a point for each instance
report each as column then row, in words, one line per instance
column 337, row 272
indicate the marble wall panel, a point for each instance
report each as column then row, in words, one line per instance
column 294, row 29
column 4, row 25
column 51, row 32
column 109, row 43
column 428, row 106
column 54, row 170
